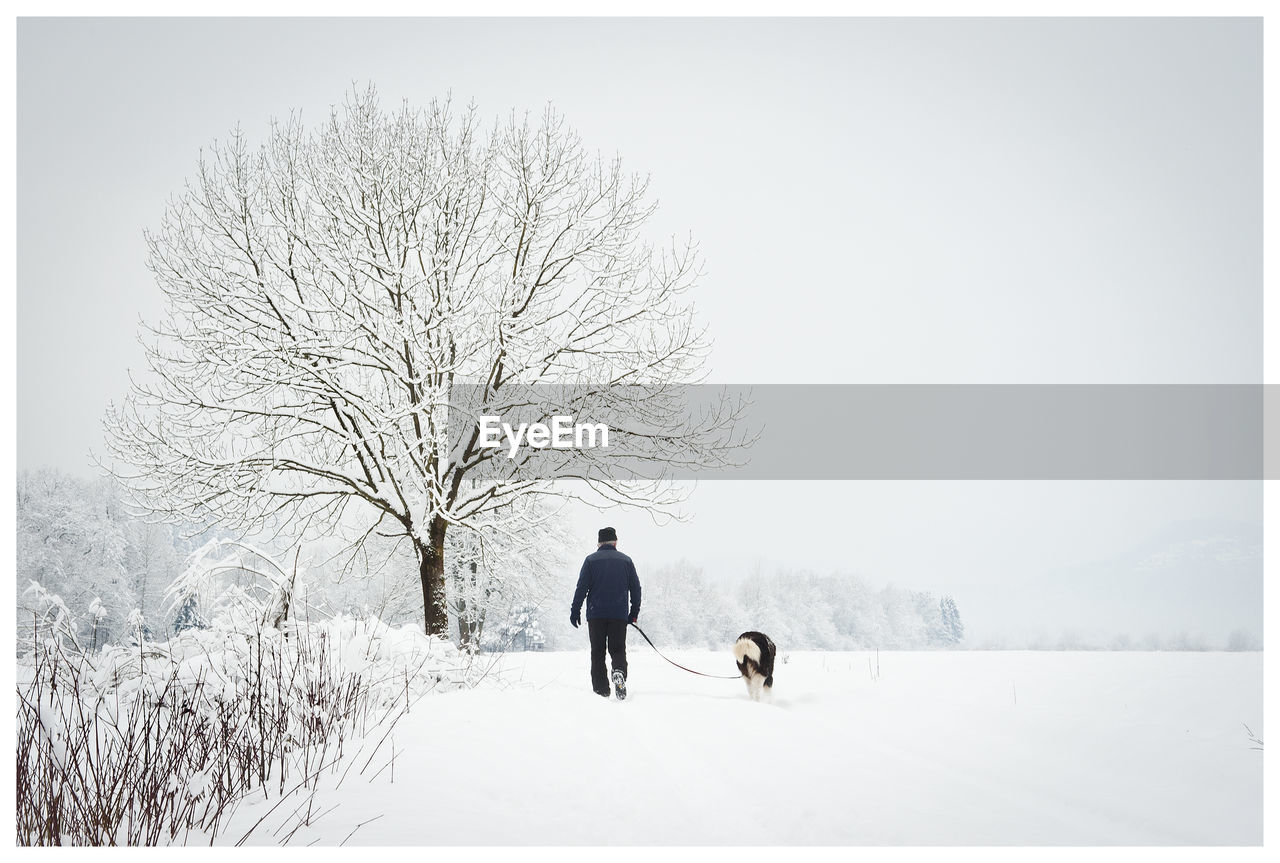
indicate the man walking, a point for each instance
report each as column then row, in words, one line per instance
column 607, row 578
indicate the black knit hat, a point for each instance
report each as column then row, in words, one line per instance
column 607, row 534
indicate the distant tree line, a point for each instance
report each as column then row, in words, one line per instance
column 1237, row 641
column 799, row 610
column 110, row 569
column 79, row 542
column 102, row 572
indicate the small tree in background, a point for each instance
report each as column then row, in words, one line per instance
column 188, row 615
column 1243, row 640
column 492, row 572
column 521, row 630
column 952, row 625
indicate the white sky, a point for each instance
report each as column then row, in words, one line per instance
column 878, row 201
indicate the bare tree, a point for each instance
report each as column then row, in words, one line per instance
column 342, row 304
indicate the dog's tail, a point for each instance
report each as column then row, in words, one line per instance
column 745, row 648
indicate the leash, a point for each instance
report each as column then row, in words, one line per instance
column 678, row 665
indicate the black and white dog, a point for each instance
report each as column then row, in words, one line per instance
column 754, row 653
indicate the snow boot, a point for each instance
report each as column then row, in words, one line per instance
column 620, row 685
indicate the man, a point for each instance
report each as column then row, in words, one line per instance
column 607, row 578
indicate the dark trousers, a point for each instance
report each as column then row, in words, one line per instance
column 613, row 634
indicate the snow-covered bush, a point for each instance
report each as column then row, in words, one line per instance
column 50, row 622
column 234, row 584
column 156, row 742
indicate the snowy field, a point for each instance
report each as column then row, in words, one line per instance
column 989, row 748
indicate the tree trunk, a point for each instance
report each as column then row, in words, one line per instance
column 464, row 628
column 431, row 572
column 470, row 617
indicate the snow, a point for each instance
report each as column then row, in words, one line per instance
column 923, row 748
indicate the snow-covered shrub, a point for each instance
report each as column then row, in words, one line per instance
column 234, row 584
column 178, row 731
column 50, row 621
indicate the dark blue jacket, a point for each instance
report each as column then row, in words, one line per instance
column 606, row 578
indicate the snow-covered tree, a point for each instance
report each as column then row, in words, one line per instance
column 187, row 615
column 71, row 540
column 682, row 607
column 153, row 557
column 521, row 630
column 502, row 564
column 929, row 609
column 952, row 625
column 342, row 304
column 1243, row 639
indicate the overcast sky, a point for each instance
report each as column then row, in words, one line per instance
column 882, row 201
